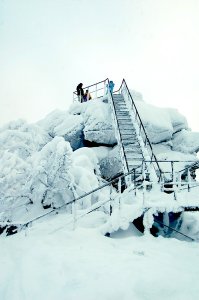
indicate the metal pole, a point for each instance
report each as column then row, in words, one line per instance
column 119, row 190
column 111, row 208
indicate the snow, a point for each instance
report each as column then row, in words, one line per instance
column 22, row 138
column 45, row 166
column 61, row 123
column 186, row 141
column 83, row 264
column 97, row 122
column 109, row 161
column 160, row 123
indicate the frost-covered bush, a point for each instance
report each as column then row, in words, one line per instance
column 50, row 180
column 22, row 138
column 14, row 176
column 42, row 179
column 85, row 172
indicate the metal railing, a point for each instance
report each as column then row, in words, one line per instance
column 72, row 204
column 110, row 199
column 96, row 90
column 117, row 132
column 124, row 90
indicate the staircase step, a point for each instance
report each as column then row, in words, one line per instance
column 133, row 140
column 130, row 155
column 133, row 152
column 119, row 115
column 131, row 134
column 119, row 103
column 125, row 127
column 128, row 132
column 125, row 123
column 137, row 165
column 120, row 107
column 132, row 146
column 129, row 141
column 124, row 118
column 117, row 96
column 122, row 112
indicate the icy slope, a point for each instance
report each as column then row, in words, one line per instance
column 82, row 264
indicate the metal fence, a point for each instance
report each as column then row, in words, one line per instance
column 96, row 90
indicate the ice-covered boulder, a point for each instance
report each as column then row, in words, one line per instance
column 109, row 161
column 69, row 126
column 160, row 123
column 97, row 120
column 186, row 141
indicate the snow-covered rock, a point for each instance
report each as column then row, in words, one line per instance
column 98, row 125
column 60, row 123
column 186, row 141
column 109, row 161
column 160, row 123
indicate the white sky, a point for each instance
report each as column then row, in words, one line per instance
column 48, row 46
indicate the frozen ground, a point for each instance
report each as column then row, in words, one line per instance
column 51, row 261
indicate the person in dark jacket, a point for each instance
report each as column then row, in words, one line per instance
column 80, row 92
column 87, row 96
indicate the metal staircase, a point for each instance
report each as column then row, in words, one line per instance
column 129, row 139
column 135, row 148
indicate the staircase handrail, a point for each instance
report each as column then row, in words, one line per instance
column 89, row 86
column 75, row 199
column 120, row 176
column 142, row 125
column 117, row 127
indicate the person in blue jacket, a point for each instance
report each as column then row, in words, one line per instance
column 111, row 86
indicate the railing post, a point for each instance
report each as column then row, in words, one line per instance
column 119, row 185
column 179, row 181
column 119, row 190
column 174, row 186
column 189, row 179
column 104, row 87
column 111, row 207
column 172, row 171
column 134, row 183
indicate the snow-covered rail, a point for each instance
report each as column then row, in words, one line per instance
column 137, row 195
